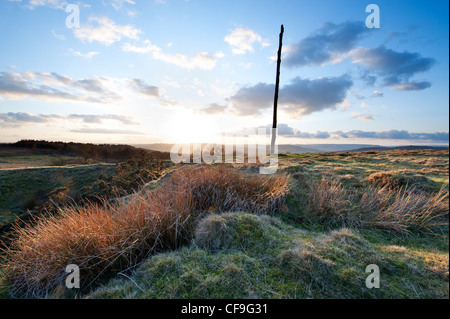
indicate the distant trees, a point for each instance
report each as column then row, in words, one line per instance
column 105, row 152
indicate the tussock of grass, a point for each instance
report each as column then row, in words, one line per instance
column 231, row 231
column 329, row 200
column 404, row 211
column 397, row 211
column 401, row 179
column 302, row 263
column 112, row 237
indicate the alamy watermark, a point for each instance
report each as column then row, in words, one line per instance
column 373, row 280
column 373, row 19
column 73, row 19
column 73, row 277
column 253, row 148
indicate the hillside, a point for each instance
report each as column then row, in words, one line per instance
column 313, row 247
column 340, row 213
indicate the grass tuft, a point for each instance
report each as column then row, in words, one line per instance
column 397, row 211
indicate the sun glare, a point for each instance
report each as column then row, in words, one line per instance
column 187, row 127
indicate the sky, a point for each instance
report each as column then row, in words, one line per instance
column 177, row 71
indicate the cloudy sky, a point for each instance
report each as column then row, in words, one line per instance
column 138, row 71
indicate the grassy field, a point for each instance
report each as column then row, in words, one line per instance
column 20, row 188
column 8, row 162
column 267, row 258
column 234, row 234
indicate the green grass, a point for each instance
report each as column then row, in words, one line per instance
column 267, row 258
column 37, row 160
column 18, row 186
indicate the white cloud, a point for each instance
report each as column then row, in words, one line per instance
column 377, row 93
column 202, row 60
column 243, row 39
column 365, row 117
column 20, row 119
column 88, row 55
column 57, row 87
column 144, row 88
column 58, row 36
column 219, row 55
column 171, row 82
column 246, row 65
column 133, row 13
column 53, row 86
column 127, row 47
column 88, row 130
column 344, row 105
column 106, row 32
column 118, row 4
column 55, row 4
column 214, row 108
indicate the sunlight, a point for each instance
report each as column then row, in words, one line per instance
column 187, row 127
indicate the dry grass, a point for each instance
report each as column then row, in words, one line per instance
column 225, row 189
column 398, row 211
column 405, row 210
column 400, row 179
column 113, row 237
column 329, row 200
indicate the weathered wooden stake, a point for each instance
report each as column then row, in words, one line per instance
column 275, row 101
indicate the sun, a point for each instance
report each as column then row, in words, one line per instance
column 189, row 127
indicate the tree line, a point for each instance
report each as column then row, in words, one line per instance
column 104, row 152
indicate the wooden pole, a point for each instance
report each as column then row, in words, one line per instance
column 275, row 101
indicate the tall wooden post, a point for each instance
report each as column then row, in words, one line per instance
column 275, row 101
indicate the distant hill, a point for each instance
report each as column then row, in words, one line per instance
column 296, row 149
column 317, row 148
column 338, row 147
column 400, row 148
column 106, row 152
column 160, row 147
column 314, row 148
column 282, row 148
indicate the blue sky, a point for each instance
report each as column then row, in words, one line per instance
column 187, row 71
